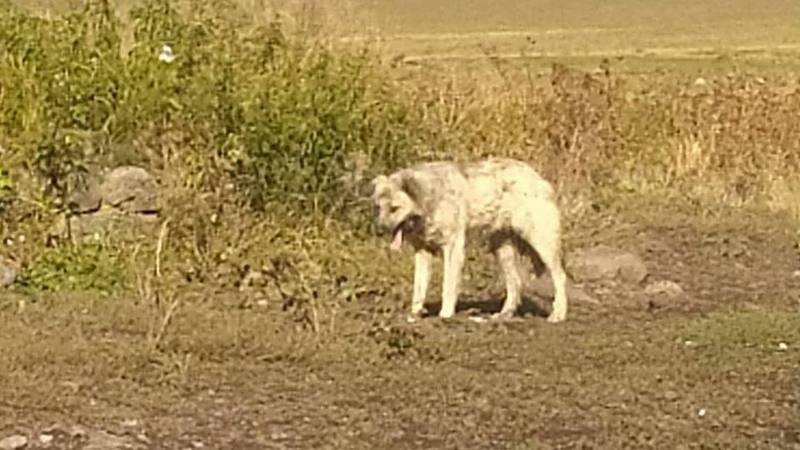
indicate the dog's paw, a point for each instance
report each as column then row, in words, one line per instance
column 414, row 316
column 556, row 317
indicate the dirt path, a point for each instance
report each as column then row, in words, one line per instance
column 718, row 367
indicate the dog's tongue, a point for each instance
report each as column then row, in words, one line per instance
column 397, row 242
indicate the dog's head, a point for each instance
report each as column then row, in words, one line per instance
column 396, row 198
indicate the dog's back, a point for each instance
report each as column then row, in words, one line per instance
column 507, row 175
column 487, row 178
column 498, row 187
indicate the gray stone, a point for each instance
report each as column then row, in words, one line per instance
column 85, row 199
column 543, row 287
column 671, row 396
column 15, row 442
column 101, row 440
column 8, row 273
column 605, row 263
column 112, row 225
column 78, row 431
column 130, row 189
column 665, row 287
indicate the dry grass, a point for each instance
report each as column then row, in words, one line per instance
column 263, row 305
column 235, row 366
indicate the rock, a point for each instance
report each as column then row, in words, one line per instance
column 15, row 442
column 665, row 287
column 45, row 439
column 670, row 396
column 111, row 224
column 604, row 262
column 279, row 435
column 543, row 287
column 130, row 423
column 86, row 199
column 8, row 273
column 101, row 440
column 252, row 277
column 699, row 87
column 57, row 230
column 78, row 431
column 130, row 189
column 55, row 428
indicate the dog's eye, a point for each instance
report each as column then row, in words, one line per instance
column 393, row 209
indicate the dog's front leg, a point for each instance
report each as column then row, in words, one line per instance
column 422, row 277
column 453, row 264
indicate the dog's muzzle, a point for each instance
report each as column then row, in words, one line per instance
column 410, row 225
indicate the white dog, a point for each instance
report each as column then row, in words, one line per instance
column 432, row 206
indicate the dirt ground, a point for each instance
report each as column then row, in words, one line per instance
column 716, row 367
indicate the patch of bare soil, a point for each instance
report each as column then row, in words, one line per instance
column 713, row 366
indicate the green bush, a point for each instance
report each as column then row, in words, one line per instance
column 60, row 79
column 74, row 268
column 283, row 117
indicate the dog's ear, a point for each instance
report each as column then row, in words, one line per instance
column 412, row 186
column 377, row 182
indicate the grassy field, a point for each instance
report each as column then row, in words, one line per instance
column 439, row 28
column 651, row 34
column 263, row 142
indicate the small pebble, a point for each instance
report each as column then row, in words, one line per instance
column 15, row 442
column 278, row 436
column 670, row 396
column 702, row 412
column 45, row 438
column 78, row 431
column 8, row 273
column 665, row 287
column 783, row 346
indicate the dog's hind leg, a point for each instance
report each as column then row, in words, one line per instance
column 508, row 258
column 544, row 236
column 553, row 262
